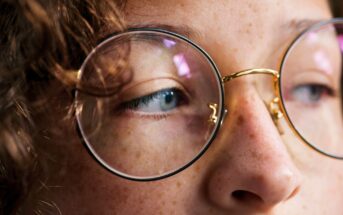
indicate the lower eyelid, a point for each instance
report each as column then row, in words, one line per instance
column 145, row 115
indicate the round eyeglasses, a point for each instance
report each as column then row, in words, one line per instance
column 158, row 99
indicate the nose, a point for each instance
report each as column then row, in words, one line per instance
column 252, row 169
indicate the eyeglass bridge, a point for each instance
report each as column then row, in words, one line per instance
column 274, row 73
column 274, row 106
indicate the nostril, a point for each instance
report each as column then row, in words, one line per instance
column 246, row 196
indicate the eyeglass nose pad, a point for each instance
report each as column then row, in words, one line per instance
column 276, row 113
column 213, row 117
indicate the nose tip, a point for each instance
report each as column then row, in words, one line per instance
column 265, row 191
column 257, row 189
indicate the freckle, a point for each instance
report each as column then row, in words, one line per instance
column 240, row 120
column 124, row 150
column 255, row 155
column 178, row 184
column 174, row 202
column 304, row 207
column 194, row 176
column 197, row 168
column 138, row 154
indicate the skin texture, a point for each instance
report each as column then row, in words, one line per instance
column 250, row 168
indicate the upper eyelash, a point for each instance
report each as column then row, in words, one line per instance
column 133, row 104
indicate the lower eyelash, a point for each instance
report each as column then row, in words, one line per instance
column 157, row 117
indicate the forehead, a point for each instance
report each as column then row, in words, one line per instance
column 248, row 17
column 236, row 26
column 228, row 11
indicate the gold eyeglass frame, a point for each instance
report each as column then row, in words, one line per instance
column 276, row 107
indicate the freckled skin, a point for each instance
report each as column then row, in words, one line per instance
column 249, row 168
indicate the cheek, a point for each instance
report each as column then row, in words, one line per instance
column 87, row 182
column 81, row 183
column 320, row 192
column 320, row 125
column 326, row 184
column 141, row 146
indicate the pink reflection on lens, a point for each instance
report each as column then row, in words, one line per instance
column 182, row 66
column 169, row 43
column 340, row 41
column 312, row 37
column 323, row 62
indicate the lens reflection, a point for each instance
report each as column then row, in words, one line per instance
column 159, row 121
column 311, row 87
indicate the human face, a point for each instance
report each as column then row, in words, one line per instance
column 250, row 168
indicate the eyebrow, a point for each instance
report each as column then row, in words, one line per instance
column 184, row 30
column 296, row 25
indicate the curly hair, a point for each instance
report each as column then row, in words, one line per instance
column 41, row 41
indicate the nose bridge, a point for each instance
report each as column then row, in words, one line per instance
column 274, row 106
column 253, row 166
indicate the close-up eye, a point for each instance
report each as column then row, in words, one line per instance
column 161, row 101
column 311, row 94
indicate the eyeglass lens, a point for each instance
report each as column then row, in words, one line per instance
column 311, row 87
column 161, row 119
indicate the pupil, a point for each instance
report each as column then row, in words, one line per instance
column 168, row 97
column 315, row 93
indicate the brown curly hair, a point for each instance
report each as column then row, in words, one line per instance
column 41, row 42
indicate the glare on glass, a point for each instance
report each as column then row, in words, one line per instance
column 159, row 99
